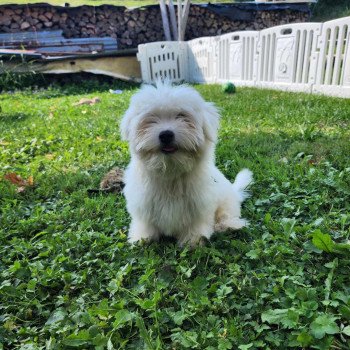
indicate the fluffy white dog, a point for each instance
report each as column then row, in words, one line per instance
column 172, row 186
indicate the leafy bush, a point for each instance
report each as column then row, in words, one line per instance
column 325, row 10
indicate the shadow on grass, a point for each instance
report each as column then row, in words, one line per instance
column 54, row 85
column 13, row 117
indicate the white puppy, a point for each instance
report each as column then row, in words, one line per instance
column 172, row 186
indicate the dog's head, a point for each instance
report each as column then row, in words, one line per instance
column 170, row 128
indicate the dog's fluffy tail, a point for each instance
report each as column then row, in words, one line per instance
column 243, row 179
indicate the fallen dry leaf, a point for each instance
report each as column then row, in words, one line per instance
column 49, row 156
column 4, row 143
column 87, row 101
column 30, row 181
column 21, row 189
column 15, row 179
column 21, row 184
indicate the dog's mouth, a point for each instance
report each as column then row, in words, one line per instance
column 169, row 149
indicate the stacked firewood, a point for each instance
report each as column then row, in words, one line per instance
column 202, row 22
column 130, row 26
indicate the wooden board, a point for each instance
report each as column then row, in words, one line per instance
column 52, row 43
column 124, row 68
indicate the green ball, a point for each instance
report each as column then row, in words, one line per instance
column 229, row 88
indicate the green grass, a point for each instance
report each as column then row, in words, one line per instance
column 68, row 278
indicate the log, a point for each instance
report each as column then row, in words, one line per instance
column 25, row 25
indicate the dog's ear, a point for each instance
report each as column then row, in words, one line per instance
column 211, row 122
column 125, row 125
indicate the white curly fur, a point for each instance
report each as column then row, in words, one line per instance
column 179, row 193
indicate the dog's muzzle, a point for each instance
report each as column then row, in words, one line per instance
column 167, row 138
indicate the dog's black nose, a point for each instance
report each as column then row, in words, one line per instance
column 166, row 137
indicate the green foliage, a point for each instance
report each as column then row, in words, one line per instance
column 69, row 280
column 325, row 10
column 10, row 79
column 325, row 243
column 322, row 325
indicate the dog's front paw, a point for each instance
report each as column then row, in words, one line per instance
column 134, row 239
column 233, row 223
column 192, row 242
column 140, row 231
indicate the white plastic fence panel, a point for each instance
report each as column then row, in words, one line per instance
column 237, row 57
column 201, row 60
column 333, row 73
column 163, row 60
column 310, row 57
column 287, row 56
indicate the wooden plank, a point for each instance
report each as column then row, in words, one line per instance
column 112, row 53
column 64, row 50
column 6, row 54
column 60, row 44
column 58, row 41
column 125, row 68
column 25, row 55
column 31, row 35
column 52, row 42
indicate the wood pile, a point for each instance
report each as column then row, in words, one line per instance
column 130, row 26
column 201, row 22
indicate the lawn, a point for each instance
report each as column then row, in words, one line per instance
column 69, row 279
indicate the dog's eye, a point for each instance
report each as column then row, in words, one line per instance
column 181, row 116
column 186, row 118
column 151, row 121
column 146, row 124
